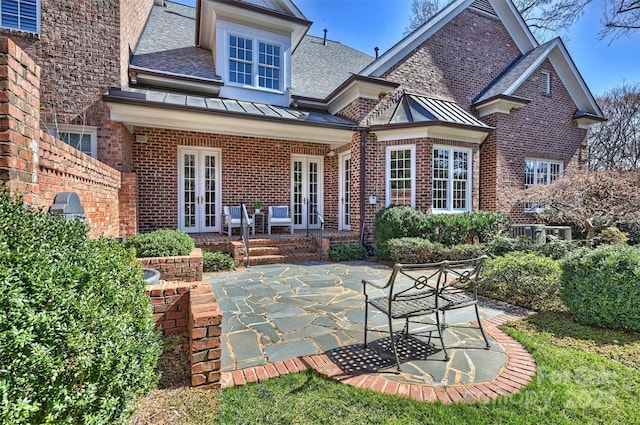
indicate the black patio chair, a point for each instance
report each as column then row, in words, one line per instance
column 418, row 293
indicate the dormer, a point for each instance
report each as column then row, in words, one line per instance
column 251, row 43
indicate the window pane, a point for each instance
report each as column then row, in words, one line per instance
column 450, row 180
column 400, row 177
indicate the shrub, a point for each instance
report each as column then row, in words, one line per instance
column 393, row 222
column 555, row 248
column 161, row 243
column 217, row 261
column 611, row 236
column 601, row 288
column 633, row 230
column 501, row 245
column 525, row 279
column 420, row 251
column 456, row 229
column 347, row 253
column 77, row 339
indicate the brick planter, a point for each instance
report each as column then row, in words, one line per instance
column 186, row 268
column 190, row 310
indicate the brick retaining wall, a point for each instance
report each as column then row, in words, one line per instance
column 186, row 268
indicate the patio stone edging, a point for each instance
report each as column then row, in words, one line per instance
column 515, row 374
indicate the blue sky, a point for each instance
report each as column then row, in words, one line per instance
column 364, row 24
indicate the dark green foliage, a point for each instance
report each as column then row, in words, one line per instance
column 601, row 286
column 501, row 245
column 633, row 230
column 161, row 243
column 611, row 236
column 420, row 251
column 525, row 279
column 217, row 261
column 456, row 229
column 77, row 339
column 393, row 222
column 347, row 253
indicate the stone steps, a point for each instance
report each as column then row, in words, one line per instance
column 277, row 251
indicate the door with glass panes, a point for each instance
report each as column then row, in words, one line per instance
column 306, row 190
column 199, row 196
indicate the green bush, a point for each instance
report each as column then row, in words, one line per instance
column 611, row 236
column 456, row 229
column 501, row 245
column 217, row 261
column 77, row 339
column 396, row 221
column 160, row 243
column 420, row 251
column 633, row 230
column 347, row 253
column 601, row 286
column 525, row 279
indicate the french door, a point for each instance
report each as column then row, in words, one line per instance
column 199, row 195
column 344, row 206
column 306, row 190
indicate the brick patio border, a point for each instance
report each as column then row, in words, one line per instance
column 518, row 371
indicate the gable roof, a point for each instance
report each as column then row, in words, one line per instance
column 503, row 9
column 556, row 52
column 167, row 44
column 318, row 68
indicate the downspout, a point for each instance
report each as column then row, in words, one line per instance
column 363, row 163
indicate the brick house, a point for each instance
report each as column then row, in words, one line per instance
column 198, row 108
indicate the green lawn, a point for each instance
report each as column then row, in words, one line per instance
column 585, row 376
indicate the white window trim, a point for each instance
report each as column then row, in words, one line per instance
column 535, row 179
column 468, row 198
column 546, row 82
column 38, row 19
column 55, row 129
column 388, row 150
column 255, row 45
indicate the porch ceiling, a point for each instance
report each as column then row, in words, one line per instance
column 155, row 108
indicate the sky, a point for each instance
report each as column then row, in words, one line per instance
column 365, row 24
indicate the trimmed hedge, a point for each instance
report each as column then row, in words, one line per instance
column 77, row 338
column 525, row 279
column 160, row 243
column 601, row 286
column 347, row 253
column 399, row 221
column 420, row 251
column 217, row 261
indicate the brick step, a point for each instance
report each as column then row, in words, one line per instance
column 279, row 259
column 281, row 249
column 301, row 240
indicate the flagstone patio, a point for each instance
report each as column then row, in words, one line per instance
column 285, row 318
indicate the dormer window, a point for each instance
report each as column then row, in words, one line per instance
column 242, row 64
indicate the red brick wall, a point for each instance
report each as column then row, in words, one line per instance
column 37, row 164
column 83, row 52
column 543, row 129
column 187, row 268
column 252, row 169
column 460, row 60
column 170, row 303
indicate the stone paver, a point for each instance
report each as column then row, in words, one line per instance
column 281, row 319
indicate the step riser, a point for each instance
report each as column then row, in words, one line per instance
column 254, row 243
column 281, row 250
column 279, row 259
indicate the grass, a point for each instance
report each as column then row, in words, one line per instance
column 585, row 375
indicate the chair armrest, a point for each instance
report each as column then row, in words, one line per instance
column 375, row 284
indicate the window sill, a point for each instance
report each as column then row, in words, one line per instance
column 254, row 88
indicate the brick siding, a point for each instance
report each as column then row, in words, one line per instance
column 40, row 166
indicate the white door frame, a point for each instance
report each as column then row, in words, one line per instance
column 344, row 200
column 199, row 225
column 300, row 216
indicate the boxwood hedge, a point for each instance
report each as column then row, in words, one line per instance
column 77, row 339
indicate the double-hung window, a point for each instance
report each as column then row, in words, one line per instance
column 23, row 15
column 451, row 179
column 401, row 181
column 243, row 65
column 540, row 171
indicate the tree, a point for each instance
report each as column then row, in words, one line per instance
column 593, row 200
column 548, row 17
column 615, row 144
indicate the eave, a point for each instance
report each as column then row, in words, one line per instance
column 501, row 104
column 138, row 112
column 431, row 129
